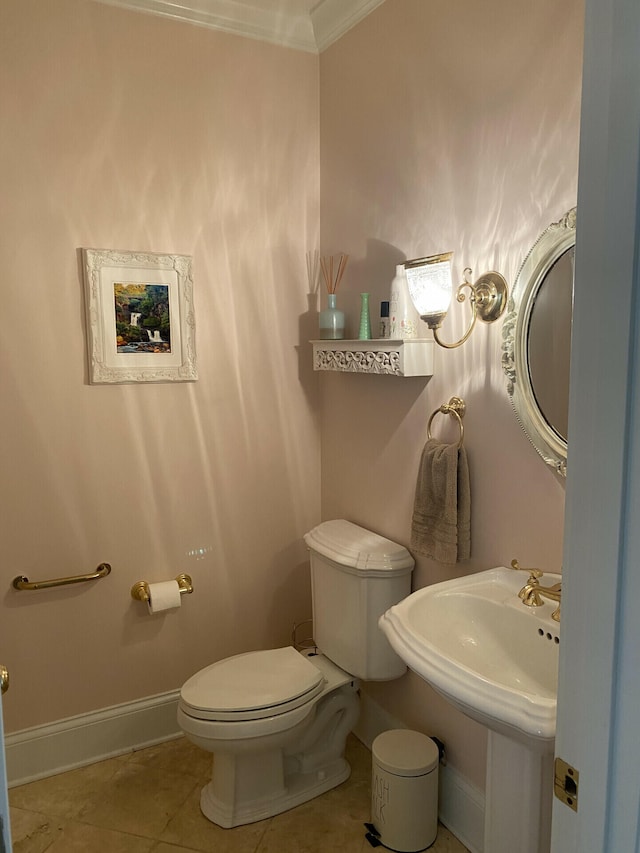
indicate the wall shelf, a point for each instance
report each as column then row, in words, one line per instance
column 412, row 357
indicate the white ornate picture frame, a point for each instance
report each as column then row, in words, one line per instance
column 140, row 317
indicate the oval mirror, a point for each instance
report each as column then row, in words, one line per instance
column 537, row 341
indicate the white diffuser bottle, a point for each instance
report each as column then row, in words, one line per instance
column 403, row 317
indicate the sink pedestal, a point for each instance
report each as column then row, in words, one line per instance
column 494, row 659
column 518, row 797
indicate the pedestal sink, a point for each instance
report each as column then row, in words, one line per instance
column 496, row 660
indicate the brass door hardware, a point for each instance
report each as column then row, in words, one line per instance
column 4, row 679
column 565, row 783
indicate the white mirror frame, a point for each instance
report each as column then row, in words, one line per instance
column 549, row 247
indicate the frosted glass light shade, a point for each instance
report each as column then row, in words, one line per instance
column 431, row 286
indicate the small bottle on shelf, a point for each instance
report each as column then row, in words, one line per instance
column 365, row 322
column 331, row 321
column 384, row 320
column 403, row 317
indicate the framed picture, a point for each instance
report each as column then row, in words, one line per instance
column 140, row 317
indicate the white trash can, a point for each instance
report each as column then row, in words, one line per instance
column 404, row 790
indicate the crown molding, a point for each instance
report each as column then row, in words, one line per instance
column 297, row 27
column 333, row 18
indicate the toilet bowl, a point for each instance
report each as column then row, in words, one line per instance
column 277, row 722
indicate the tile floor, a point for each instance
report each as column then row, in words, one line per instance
column 149, row 801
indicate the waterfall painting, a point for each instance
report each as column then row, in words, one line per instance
column 140, row 317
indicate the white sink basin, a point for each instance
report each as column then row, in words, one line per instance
column 482, row 649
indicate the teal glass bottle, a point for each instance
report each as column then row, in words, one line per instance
column 365, row 320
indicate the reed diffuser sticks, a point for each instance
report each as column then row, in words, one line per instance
column 327, row 265
column 313, row 270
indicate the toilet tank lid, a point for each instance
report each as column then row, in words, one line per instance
column 356, row 548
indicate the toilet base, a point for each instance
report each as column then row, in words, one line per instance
column 299, row 788
column 259, row 773
column 261, row 777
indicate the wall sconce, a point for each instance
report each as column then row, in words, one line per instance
column 431, row 284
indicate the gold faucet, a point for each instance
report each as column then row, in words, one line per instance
column 533, row 593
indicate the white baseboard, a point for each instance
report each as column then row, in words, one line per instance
column 461, row 808
column 77, row 741
column 460, row 804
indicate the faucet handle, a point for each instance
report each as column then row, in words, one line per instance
column 533, row 573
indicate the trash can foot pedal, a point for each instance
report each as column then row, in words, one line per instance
column 372, row 835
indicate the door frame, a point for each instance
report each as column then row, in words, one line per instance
column 599, row 684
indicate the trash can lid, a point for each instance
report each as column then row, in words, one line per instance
column 405, row 753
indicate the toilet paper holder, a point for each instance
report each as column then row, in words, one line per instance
column 140, row 590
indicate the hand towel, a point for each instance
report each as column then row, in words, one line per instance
column 441, row 523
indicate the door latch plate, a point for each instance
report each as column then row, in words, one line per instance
column 565, row 783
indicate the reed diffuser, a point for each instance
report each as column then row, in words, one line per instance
column 331, row 320
column 313, row 271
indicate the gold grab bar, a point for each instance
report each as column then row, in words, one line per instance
column 21, row 582
column 140, row 590
column 456, row 407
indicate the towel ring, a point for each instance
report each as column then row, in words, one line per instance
column 456, row 407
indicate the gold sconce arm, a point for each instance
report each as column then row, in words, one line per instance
column 488, row 300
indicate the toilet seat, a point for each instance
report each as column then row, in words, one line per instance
column 252, row 686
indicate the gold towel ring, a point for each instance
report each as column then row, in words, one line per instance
column 456, row 407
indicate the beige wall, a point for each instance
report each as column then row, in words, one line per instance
column 445, row 126
column 127, row 131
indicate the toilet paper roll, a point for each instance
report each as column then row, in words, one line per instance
column 163, row 596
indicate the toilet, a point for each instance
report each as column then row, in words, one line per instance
column 277, row 720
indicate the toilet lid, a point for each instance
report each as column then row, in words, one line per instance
column 252, row 685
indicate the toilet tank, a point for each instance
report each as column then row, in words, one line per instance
column 356, row 575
